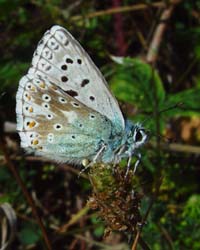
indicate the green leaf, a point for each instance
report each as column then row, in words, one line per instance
column 29, row 234
column 137, row 82
column 99, row 229
column 192, row 208
column 189, row 100
column 10, row 73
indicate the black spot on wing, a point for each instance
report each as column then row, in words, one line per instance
column 71, row 92
column 64, row 79
column 92, row 98
column 79, row 61
column 64, row 67
column 69, row 60
column 84, row 82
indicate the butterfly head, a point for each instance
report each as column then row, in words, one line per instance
column 136, row 135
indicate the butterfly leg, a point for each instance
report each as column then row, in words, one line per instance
column 99, row 153
column 137, row 162
column 138, row 155
column 128, row 165
column 94, row 159
column 118, row 155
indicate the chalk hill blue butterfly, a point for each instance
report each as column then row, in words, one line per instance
column 65, row 110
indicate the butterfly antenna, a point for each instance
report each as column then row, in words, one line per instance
column 177, row 105
column 164, row 138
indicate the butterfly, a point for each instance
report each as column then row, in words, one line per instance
column 65, row 110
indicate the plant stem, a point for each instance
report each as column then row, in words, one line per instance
column 25, row 192
column 120, row 9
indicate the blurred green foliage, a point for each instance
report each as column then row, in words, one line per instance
column 143, row 87
column 174, row 219
column 29, row 234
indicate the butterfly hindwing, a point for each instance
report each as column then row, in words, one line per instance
column 56, row 125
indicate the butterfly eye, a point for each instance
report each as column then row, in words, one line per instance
column 138, row 136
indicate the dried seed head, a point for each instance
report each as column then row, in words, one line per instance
column 114, row 198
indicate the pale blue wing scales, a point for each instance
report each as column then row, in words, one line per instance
column 63, row 148
column 62, row 60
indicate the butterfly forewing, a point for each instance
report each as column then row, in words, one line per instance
column 61, row 59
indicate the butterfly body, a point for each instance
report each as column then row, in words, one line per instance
column 65, row 110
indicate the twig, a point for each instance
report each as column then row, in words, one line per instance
column 119, row 10
column 9, row 127
column 175, row 147
column 137, row 238
column 74, row 219
column 152, row 53
column 182, row 148
column 25, row 192
column 166, row 236
column 158, row 180
column 187, row 71
column 151, row 58
column 121, row 45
